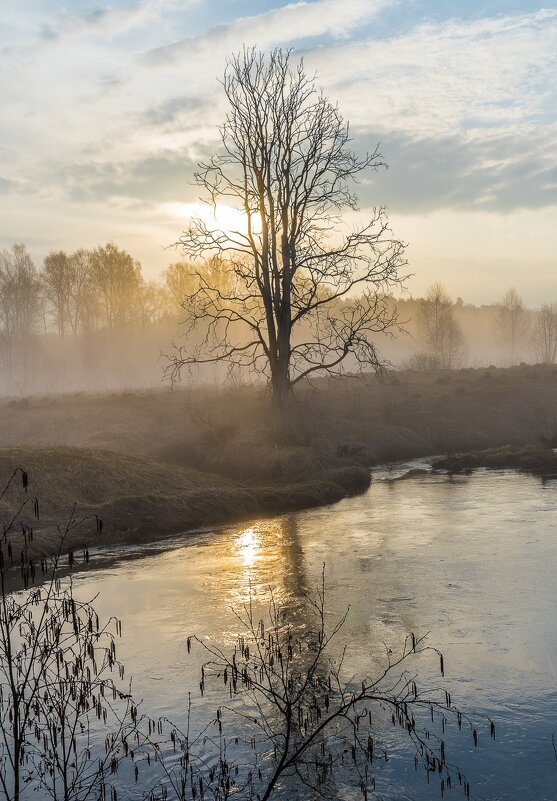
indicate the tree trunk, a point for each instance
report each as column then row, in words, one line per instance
column 281, row 392
column 284, row 409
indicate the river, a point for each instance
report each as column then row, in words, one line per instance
column 472, row 560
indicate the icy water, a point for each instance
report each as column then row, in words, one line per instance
column 471, row 560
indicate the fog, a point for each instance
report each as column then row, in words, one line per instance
column 265, row 489
column 89, row 322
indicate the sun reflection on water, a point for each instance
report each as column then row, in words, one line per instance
column 248, row 546
column 262, row 556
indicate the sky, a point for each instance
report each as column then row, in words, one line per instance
column 106, row 108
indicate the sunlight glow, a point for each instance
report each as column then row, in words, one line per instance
column 221, row 218
column 248, row 547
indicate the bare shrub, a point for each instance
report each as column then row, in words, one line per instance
column 292, row 720
column 59, row 673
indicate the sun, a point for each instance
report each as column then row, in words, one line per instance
column 220, row 218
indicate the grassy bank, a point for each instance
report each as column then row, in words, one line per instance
column 534, row 459
column 140, row 501
column 230, row 433
column 157, row 462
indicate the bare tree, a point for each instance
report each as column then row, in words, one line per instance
column 544, row 333
column 19, row 308
column 184, row 279
column 117, row 282
column 303, row 296
column 56, row 281
column 179, row 281
column 152, row 303
column 512, row 324
column 439, row 331
column 71, row 285
column 81, row 299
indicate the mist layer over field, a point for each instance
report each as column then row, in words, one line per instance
column 88, row 321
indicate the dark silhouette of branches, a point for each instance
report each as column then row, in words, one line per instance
column 59, row 673
column 297, row 293
column 293, row 720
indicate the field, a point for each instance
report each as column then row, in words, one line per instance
column 156, row 462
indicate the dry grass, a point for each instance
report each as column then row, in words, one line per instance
column 156, row 462
column 340, row 423
column 530, row 458
column 142, row 500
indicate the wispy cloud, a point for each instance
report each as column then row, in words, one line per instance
column 159, row 178
column 109, row 22
column 110, row 107
column 501, row 172
column 285, row 25
column 439, row 78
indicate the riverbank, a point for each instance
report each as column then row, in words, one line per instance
column 140, row 501
column 535, row 459
column 155, row 463
column 230, row 432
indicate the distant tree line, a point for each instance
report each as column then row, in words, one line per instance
column 89, row 319
column 75, row 293
column 76, row 302
column 515, row 329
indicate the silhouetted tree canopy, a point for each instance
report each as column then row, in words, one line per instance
column 303, row 294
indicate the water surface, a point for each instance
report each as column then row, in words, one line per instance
column 471, row 560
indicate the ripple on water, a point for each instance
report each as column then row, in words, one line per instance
column 472, row 561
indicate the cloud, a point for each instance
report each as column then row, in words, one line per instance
column 113, row 21
column 158, row 178
column 435, row 95
column 104, row 117
column 497, row 172
column 183, row 110
column 284, row 25
column 7, row 185
column 453, row 75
